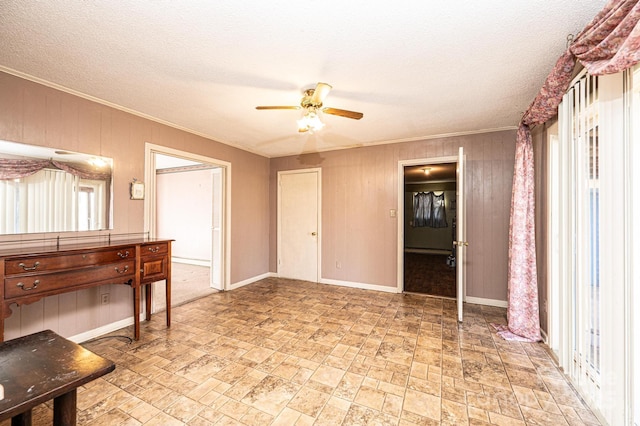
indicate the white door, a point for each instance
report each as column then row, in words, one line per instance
column 298, row 224
column 461, row 243
column 216, row 275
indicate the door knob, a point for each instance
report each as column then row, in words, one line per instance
column 314, row 233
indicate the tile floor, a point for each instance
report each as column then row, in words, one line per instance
column 287, row 352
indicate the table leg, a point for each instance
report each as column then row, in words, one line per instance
column 168, row 280
column 147, row 288
column 2, row 308
column 136, row 312
column 22, row 419
column 64, row 409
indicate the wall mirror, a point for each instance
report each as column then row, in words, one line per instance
column 49, row 190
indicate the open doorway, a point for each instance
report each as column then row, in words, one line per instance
column 186, row 202
column 430, row 219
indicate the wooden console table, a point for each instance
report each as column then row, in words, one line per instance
column 44, row 366
column 29, row 275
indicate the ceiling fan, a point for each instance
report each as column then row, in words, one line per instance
column 311, row 103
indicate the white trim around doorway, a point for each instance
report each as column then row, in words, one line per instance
column 149, row 200
column 400, row 211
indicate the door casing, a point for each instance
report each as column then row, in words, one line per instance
column 150, row 200
column 400, row 216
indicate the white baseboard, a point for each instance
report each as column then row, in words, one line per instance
column 362, row 286
column 252, row 280
column 105, row 329
column 191, row 261
column 487, row 302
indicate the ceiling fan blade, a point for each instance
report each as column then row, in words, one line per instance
column 343, row 113
column 321, row 91
column 277, row 107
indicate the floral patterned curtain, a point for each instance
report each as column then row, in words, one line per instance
column 14, row 169
column 610, row 43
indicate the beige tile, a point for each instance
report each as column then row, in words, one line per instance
column 143, row 412
column 477, row 414
column 539, row 417
column 234, row 409
column 391, row 388
column 358, row 415
column 330, row 416
column 526, row 397
column 162, row 419
column 243, row 386
column 500, row 420
column 516, row 359
column 308, row 401
column 287, row 417
column 453, row 413
column 370, row 397
column 427, row 386
column 348, row 386
column 184, row 409
column 286, row 352
column 327, row 375
column 258, row 354
column 255, row 417
column 422, row 404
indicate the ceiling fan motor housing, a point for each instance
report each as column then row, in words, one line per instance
column 307, row 100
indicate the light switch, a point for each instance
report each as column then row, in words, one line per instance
column 392, row 213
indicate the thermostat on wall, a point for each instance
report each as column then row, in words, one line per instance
column 137, row 190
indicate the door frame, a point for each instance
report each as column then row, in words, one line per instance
column 400, row 212
column 150, row 213
column 317, row 170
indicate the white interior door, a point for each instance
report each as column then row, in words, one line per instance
column 298, row 224
column 216, row 274
column 461, row 243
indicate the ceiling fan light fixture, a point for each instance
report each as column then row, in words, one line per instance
column 312, row 102
column 310, row 122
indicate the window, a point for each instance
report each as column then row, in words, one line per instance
column 590, row 274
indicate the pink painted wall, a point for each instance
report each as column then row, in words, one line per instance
column 360, row 186
column 35, row 114
column 180, row 192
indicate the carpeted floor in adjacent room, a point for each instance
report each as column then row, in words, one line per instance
column 429, row 274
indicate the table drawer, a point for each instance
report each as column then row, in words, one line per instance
column 154, row 269
column 27, row 285
column 63, row 261
column 154, row 249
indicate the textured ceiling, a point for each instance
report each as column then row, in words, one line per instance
column 415, row 69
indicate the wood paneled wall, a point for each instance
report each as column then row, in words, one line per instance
column 360, row 186
column 39, row 115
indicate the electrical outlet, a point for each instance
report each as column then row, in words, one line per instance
column 338, row 265
column 104, row 298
